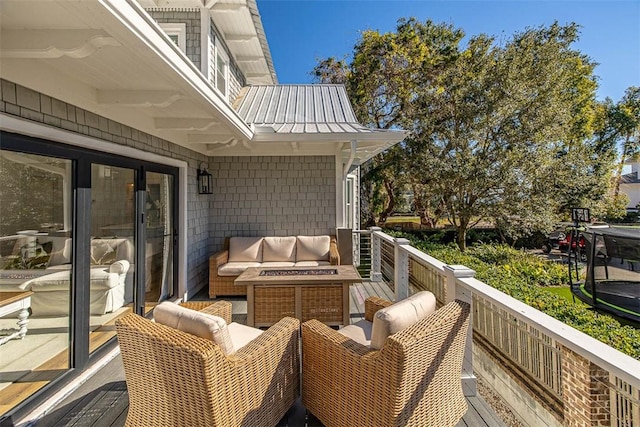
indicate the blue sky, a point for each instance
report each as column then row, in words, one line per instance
column 301, row 31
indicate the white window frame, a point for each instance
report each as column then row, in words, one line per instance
column 221, row 52
column 176, row 29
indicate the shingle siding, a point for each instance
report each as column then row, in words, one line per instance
column 192, row 20
column 272, row 196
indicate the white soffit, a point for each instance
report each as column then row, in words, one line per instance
column 108, row 57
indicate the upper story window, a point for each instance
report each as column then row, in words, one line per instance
column 177, row 32
column 222, row 69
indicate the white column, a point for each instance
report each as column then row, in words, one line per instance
column 376, row 255
column 401, row 269
column 453, row 273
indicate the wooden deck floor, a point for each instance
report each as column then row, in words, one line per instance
column 102, row 401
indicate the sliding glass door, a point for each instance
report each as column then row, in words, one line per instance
column 112, row 249
column 160, row 237
column 85, row 237
column 36, row 232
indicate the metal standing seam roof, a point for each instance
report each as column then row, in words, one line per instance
column 312, row 108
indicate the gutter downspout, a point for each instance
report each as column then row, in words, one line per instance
column 352, row 156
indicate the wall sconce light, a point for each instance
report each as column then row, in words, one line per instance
column 205, row 182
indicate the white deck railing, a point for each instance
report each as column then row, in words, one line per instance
column 576, row 378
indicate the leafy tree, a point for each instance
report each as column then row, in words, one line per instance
column 494, row 122
column 383, row 80
column 625, row 118
column 502, row 131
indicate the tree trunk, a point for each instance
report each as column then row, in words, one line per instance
column 461, row 237
column 391, row 205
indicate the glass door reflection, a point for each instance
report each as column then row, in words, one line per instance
column 159, row 226
column 112, row 249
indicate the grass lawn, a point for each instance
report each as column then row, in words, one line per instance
column 563, row 291
column 397, row 219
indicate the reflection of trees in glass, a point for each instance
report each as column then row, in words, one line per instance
column 30, row 197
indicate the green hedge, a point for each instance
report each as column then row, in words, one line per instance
column 522, row 276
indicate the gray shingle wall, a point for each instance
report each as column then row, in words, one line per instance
column 272, row 196
column 28, row 104
column 192, row 20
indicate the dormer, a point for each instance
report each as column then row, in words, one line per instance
column 224, row 39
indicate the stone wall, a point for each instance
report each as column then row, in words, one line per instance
column 272, row 196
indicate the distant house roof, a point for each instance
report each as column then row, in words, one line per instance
column 300, row 109
column 630, row 178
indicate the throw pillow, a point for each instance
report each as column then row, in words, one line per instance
column 389, row 320
column 194, row 322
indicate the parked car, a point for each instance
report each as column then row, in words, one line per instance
column 562, row 239
column 555, row 237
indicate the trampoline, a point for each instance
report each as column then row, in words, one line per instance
column 610, row 279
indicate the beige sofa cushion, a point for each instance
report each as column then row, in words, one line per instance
column 194, row 322
column 277, row 264
column 245, row 249
column 360, row 332
column 312, row 248
column 400, row 315
column 235, row 268
column 279, row 249
column 311, row 263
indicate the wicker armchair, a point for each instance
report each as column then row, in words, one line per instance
column 414, row 380
column 178, row 379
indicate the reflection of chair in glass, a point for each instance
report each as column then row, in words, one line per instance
column 413, row 379
column 51, row 292
column 178, row 378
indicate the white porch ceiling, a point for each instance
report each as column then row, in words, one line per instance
column 109, row 57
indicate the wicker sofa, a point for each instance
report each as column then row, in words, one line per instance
column 175, row 378
column 240, row 253
column 412, row 380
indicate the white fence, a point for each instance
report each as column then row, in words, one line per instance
column 579, row 379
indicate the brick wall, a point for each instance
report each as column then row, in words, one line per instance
column 31, row 105
column 585, row 392
column 272, row 196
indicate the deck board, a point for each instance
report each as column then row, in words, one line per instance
column 102, row 401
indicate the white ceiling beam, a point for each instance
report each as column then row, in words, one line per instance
column 209, row 3
column 207, row 138
column 184, row 124
column 51, row 44
column 138, row 98
column 242, row 38
column 249, row 58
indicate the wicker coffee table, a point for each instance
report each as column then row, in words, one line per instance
column 302, row 292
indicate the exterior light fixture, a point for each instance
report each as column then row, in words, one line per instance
column 205, row 182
